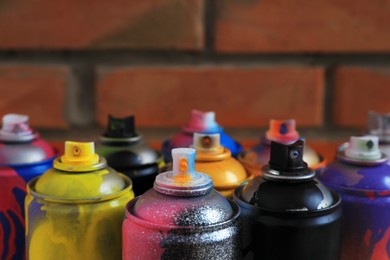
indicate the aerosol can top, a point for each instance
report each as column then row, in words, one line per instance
column 202, row 122
column 120, row 127
column 16, row 128
column 282, row 131
column 208, row 143
column 183, row 180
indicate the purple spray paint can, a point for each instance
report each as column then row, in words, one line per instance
column 361, row 175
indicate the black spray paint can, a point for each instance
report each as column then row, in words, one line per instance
column 287, row 213
column 126, row 152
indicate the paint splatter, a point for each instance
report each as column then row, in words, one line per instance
column 12, row 193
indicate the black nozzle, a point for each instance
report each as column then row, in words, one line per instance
column 287, row 158
column 120, row 127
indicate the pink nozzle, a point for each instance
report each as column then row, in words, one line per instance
column 202, row 121
column 282, row 131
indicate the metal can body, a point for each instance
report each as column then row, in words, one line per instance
column 60, row 228
column 134, row 159
column 289, row 235
column 159, row 241
column 226, row 174
column 286, row 212
column 181, row 217
column 75, row 209
column 25, row 162
column 366, row 210
column 126, row 152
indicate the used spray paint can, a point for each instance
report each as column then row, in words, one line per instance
column 361, row 175
column 200, row 122
column 379, row 125
column 23, row 156
column 126, row 152
column 217, row 162
column 182, row 217
column 281, row 131
column 75, row 210
column 287, row 213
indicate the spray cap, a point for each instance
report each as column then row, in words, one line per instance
column 120, row 127
column 282, row 131
column 363, row 148
column 78, row 153
column 207, row 143
column 183, row 180
column 202, row 121
column 379, row 125
column 79, row 157
column 286, row 163
column 16, row 128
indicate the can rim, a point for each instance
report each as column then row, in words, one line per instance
column 50, row 159
column 31, row 184
column 151, row 225
column 134, row 139
column 319, row 212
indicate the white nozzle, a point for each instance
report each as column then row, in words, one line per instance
column 14, row 124
column 363, row 148
column 207, row 142
column 183, row 180
column 183, row 161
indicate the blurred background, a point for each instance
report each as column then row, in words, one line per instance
column 69, row 63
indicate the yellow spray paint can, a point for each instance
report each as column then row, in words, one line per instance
column 217, row 162
column 75, row 209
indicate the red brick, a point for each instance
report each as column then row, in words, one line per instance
column 357, row 91
column 241, row 97
column 87, row 24
column 37, row 91
column 302, row 26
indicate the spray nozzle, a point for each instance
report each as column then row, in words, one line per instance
column 14, row 124
column 183, row 180
column 282, row 131
column 202, row 121
column 287, row 158
column 378, row 124
column 79, row 154
column 363, row 148
column 286, row 163
column 120, row 127
column 209, row 143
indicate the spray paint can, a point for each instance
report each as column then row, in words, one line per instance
column 200, row 122
column 126, row 152
column 75, row 210
column 361, row 175
column 287, row 213
column 281, row 131
column 217, row 162
column 182, row 217
column 23, row 156
column 379, row 125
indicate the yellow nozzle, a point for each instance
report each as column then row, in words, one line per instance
column 79, row 153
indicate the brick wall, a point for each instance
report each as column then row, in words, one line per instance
column 69, row 63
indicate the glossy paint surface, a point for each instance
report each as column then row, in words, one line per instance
column 365, row 192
